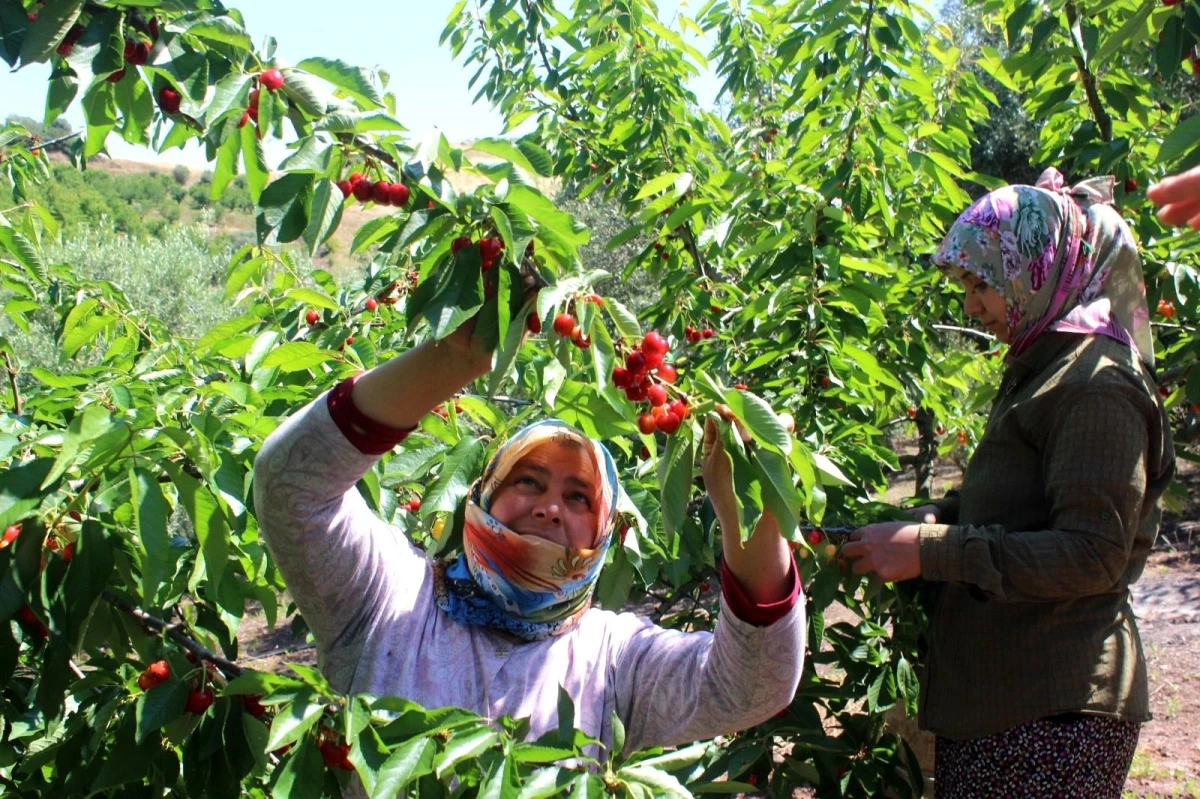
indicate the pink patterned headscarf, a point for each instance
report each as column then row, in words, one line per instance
column 1062, row 258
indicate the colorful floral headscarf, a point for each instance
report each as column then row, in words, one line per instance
column 523, row 584
column 1062, row 258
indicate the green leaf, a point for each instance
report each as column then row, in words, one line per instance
column 161, row 704
column 254, row 162
column 1180, row 141
column 295, row 719
column 507, row 150
column 54, row 20
column 20, row 491
column 150, row 515
column 354, row 81
column 360, row 122
column 409, row 761
column 660, row 782
column 296, row 356
column 221, row 29
column 760, row 420
column 459, row 469
column 623, row 319
column 313, row 297
column 1115, row 41
column 325, row 215
column 374, row 232
column 300, row 775
column 281, row 209
column 207, row 520
column 463, row 745
column 657, row 184
column 24, row 253
column 675, row 478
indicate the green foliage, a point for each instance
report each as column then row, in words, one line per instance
column 796, row 223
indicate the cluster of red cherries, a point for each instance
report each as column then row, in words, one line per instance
column 489, row 249
column 381, row 192
column 644, row 378
column 693, row 334
column 565, row 326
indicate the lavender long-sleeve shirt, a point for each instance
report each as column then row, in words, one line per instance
column 367, row 594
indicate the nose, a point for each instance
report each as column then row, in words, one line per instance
column 973, row 305
column 548, row 512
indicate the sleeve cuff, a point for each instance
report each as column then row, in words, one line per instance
column 755, row 613
column 367, row 435
column 941, row 553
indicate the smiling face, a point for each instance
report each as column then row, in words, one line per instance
column 985, row 304
column 552, row 493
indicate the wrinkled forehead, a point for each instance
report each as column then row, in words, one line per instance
column 563, row 455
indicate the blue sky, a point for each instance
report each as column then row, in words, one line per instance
column 398, row 37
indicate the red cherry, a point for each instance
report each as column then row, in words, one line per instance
column 169, row 100
column 253, row 706
column 579, row 340
column 679, row 408
column 372, row 304
column 1169, row 2
column 645, row 453
column 399, row 195
column 646, row 423
column 962, row 438
column 826, row 382
column 659, row 411
column 941, row 431
column 669, row 423
column 653, row 342
column 429, row 205
column 244, row 120
column 621, row 377
column 564, row 323
column 414, row 504
column 336, row 755
column 636, row 392
column 271, row 79
column 704, row 587
column 653, row 359
column 355, row 177
column 1131, row 185
column 349, row 340
column 740, row 386
column 311, row 317
column 361, row 190
column 533, row 323
column 656, row 394
column 667, row 373
column 381, row 192
column 344, row 187
column 10, row 534
column 707, row 332
column 459, row 244
column 635, row 362
column 68, row 552
column 252, row 106
column 912, row 413
column 199, row 701
column 814, row 537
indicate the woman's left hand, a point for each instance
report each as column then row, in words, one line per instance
column 891, row 550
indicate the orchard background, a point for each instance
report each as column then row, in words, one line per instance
column 789, row 230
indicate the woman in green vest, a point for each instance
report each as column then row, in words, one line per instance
column 1035, row 682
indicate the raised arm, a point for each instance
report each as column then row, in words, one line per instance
column 342, row 563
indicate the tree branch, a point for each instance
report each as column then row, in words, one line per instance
column 12, row 380
column 1103, row 120
column 175, row 632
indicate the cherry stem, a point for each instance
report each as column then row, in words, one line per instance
column 175, row 632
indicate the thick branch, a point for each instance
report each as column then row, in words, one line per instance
column 1103, row 120
column 175, row 632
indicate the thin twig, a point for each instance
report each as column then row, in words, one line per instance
column 175, row 632
column 966, row 331
column 12, row 379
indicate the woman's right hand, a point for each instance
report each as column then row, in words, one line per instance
column 925, row 514
column 1179, row 198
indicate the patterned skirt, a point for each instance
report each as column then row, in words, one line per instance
column 1063, row 757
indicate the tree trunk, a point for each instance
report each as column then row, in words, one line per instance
column 926, row 452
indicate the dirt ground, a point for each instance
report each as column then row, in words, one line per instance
column 1166, row 601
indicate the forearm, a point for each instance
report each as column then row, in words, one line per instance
column 401, row 391
column 762, row 566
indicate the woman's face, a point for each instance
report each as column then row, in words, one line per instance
column 552, row 493
column 985, row 304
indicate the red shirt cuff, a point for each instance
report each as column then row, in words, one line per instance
column 369, row 436
column 755, row 613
